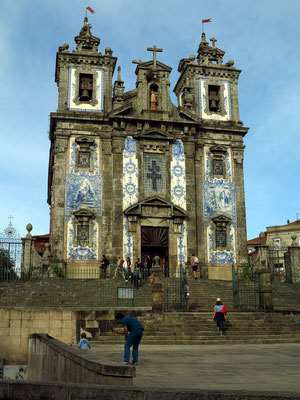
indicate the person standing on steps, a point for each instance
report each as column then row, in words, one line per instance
column 136, row 330
column 220, row 312
column 119, row 268
column 149, row 265
column 104, row 265
column 194, row 264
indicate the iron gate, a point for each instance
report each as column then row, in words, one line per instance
column 10, row 254
column 245, row 286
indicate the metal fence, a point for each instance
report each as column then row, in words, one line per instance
column 245, row 285
column 87, row 288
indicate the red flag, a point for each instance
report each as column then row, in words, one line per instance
column 206, row 20
column 90, row 10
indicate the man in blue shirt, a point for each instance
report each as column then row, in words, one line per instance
column 135, row 329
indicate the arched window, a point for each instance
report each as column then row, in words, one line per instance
column 153, row 97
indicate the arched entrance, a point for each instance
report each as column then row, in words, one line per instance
column 155, row 241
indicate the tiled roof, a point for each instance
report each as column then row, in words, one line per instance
column 256, row 240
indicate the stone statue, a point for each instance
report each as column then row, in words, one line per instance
column 156, row 261
column 153, row 101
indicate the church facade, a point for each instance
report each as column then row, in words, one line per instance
column 132, row 174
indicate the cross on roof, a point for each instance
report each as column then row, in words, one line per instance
column 155, row 50
column 10, row 218
column 213, row 40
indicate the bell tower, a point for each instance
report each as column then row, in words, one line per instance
column 153, row 86
column 84, row 80
column 207, row 89
column 84, row 77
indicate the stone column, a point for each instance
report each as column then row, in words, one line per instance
column 238, row 155
column 58, row 197
column 265, row 287
column 27, row 251
column 294, row 255
column 106, row 237
column 117, row 196
column 157, row 287
column 192, row 233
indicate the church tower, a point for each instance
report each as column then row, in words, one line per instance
column 132, row 174
column 75, row 185
column 208, row 88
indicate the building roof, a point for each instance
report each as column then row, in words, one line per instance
column 256, row 240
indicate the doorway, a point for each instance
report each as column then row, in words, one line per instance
column 155, row 241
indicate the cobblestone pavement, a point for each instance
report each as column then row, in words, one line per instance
column 273, row 367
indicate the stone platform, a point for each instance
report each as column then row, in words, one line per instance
column 235, row 367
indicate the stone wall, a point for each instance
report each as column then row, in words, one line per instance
column 50, row 360
column 16, row 324
column 17, row 390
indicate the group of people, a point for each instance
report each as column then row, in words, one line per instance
column 133, row 331
column 130, row 273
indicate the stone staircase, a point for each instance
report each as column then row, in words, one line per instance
column 199, row 328
column 203, row 294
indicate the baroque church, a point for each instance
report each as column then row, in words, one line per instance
column 132, row 174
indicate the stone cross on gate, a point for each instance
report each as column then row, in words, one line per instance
column 153, row 174
column 155, row 50
column 213, row 40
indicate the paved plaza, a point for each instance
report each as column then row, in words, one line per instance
column 223, row 367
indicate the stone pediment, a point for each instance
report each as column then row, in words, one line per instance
column 155, row 207
column 156, row 134
column 83, row 213
column 188, row 115
column 150, row 64
column 218, row 149
column 221, row 218
column 121, row 110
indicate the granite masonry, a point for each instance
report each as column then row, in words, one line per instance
column 130, row 173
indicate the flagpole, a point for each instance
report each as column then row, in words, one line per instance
column 85, row 12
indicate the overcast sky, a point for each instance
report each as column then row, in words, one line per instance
column 262, row 36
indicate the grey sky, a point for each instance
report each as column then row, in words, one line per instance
column 260, row 35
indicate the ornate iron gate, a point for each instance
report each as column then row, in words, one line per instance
column 10, row 254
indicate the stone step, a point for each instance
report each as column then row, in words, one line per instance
column 218, row 340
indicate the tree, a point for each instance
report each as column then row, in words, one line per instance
column 7, row 264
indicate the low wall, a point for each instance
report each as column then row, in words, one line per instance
column 50, row 360
column 220, row 272
column 16, row 390
column 17, row 324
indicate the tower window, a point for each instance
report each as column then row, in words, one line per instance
column 153, row 97
column 221, row 237
column 83, row 225
column 217, row 160
column 214, row 98
column 84, row 154
column 84, row 159
column 85, row 87
column 221, row 232
column 83, row 235
column 218, row 166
